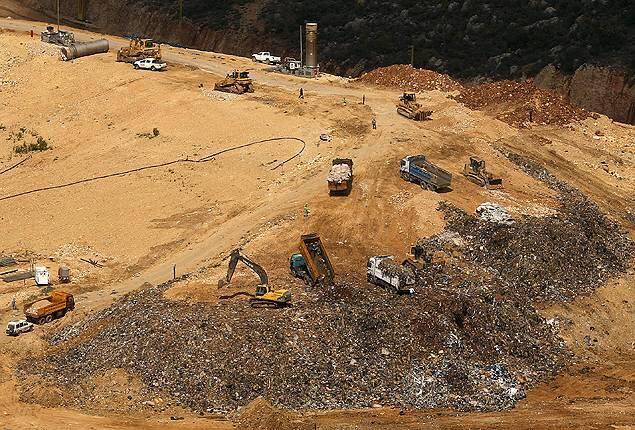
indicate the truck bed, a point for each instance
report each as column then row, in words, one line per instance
column 430, row 173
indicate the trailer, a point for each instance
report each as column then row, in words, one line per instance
column 384, row 272
column 417, row 169
column 340, row 177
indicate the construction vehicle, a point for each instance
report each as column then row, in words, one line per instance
column 476, row 172
column 265, row 295
column 61, row 37
column 60, row 302
column 417, row 169
column 340, row 177
column 384, row 272
column 409, row 107
column 312, row 263
column 235, row 82
column 15, row 328
column 139, row 49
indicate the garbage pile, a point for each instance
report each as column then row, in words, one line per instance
column 405, row 77
column 346, row 346
column 491, row 212
column 339, row 173
column 521, row 103
column 391, row 268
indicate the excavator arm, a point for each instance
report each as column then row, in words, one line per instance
column 234, row 258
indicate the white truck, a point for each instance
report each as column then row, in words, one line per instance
column 266, row 57
column 383, row 271
column 150, row 64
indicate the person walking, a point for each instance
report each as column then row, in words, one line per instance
column 374, row 122
column 13, row 305
column 301, row 92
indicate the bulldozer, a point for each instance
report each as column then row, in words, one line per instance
column 139, row 49
column 409, row 107
column 265, row 296
column 475, row 172
column 235, row 82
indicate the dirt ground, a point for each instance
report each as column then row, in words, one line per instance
column 98, row 117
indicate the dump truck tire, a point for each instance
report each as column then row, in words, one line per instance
column 48, row 318
column 41, row 320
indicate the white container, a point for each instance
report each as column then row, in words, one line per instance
column 41, row 276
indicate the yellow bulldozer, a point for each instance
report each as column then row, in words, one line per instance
column 235, row 82
column 476, row 172
column 138, row 50
column 409, row 108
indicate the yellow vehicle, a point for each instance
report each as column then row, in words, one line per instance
column 139, row 49
column 409, row 107
column 475, row 171
column 265, row 295
column 235, row 82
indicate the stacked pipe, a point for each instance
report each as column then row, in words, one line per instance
column 78, row 50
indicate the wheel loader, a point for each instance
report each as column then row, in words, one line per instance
column 475, row 172
column 236, row 83
column 265, row 296
column 139, row 49
column 409, row 107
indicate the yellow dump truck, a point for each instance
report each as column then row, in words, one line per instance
column 59, row 302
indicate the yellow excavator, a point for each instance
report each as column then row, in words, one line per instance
column 236, row 82
column 265, row 295
column 409, row 107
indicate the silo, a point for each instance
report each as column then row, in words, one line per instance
column 311, row 45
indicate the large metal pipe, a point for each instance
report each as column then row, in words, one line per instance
column 77, row 50
column 311, row 44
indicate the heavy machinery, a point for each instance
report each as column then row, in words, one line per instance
column 61, row 37
column 312, row 263
column 409, row 107
column 265, row 295
column 235, row 82
column 340, row 178
column 417, row 169
column 139, row 49
column 476, row 172
column 383, row 271
column 60, row 302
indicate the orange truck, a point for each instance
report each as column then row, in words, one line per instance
column 59, row 302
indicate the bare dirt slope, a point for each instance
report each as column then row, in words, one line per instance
column 98, row 117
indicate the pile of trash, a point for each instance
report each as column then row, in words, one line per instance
column 521, row 103
column 491, row 212
column 407, row 78
column 346, row 346
column 339, row 173
column 391, row 268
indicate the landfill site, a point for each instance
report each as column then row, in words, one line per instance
column 203, row 241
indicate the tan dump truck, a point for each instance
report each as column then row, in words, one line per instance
column 59, row 302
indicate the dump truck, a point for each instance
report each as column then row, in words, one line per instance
column 61, row 37
column 312, row 264
column 384, row 272
column 60, row 302
column 409, row 107
column 340, row 177
column 139, row 49
column 476, row 172
column 265, row 295
column 236, row 83
column 417, row 169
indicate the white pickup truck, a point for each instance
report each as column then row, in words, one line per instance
column 150, row 64
column 266, row 57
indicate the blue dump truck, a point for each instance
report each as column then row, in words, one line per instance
column 417, row 169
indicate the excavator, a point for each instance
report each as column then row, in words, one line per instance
column 409, row 107
column 265, row 295
column 476, row 172
column 235, row 82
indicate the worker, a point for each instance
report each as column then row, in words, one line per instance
column 13, row 305
column 374, row 122
column 363, row 99
column 307, row 211
column 301, row 92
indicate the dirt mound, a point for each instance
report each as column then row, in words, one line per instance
column 262, row 415
column 513, row 102
column 406, row 77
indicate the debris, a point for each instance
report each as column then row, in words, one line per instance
column 325, row 137
column 92, row 262
column 8, row 261
column 405, row 77
column 491, row 212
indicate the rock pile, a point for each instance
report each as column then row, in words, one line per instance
column 339, row 173
column 514, row 103
column 406, row 77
